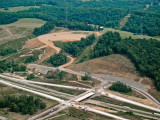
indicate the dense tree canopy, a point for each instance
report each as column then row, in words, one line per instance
column 146, row 23
column 104, row 13
column 120, row 87
column 22, row 104
column 11, row 67
column 58, row 59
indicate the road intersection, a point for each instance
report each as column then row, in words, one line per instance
column 73, row 101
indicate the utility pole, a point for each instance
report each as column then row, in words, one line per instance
column 66, row 13
column 142, row 27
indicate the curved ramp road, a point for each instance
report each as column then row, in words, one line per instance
column 132, row 102
column 34, row 92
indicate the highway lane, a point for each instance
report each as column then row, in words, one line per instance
column 31, row 91
column 148, row 96
column 49, row 112
column 117, row 106
column 43, row 83
column 50, row 91
column 131, row 102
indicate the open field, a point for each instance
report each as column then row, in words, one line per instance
column 125, row 34
column 5, row 91
column 21, row 28
column 20, row 8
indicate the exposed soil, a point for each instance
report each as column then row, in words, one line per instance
column 48, row 52
column 102, row 109
column 69, row 63
column 65, row 36
column 81, row 84
column 114, row 65
column 33, row 43
column 124, row 20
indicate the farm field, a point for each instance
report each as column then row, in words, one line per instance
column 21, row 28
column 20, row 8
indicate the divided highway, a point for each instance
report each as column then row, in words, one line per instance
column 31, row 91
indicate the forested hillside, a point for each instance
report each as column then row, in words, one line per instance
column 145, row 54
column 108, row 13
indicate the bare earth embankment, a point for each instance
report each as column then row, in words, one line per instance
column 114, row 65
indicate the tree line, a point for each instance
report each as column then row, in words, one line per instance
column 48, row 26
column 22, row 104
column 44, row 29
column 120, row 87
column 75, row 48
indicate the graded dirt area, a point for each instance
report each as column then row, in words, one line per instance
column 66, row 36
column 114, row 65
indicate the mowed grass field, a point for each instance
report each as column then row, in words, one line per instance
column 20, row 8
column 21, row 28
column 125, row 34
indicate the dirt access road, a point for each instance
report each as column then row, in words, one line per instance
column 48, row 40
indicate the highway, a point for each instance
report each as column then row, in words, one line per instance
column 31, row 91
column 131, row 102
column 43, row 83
column 121, row 108
column 49, row 112
column 40, row 88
